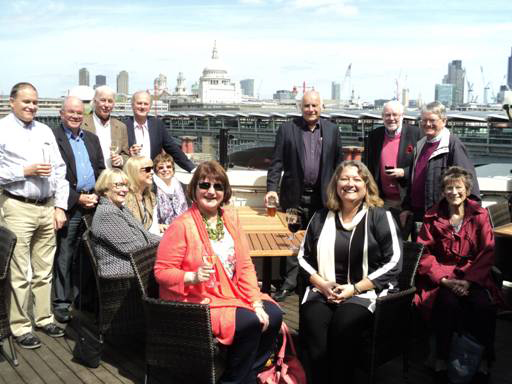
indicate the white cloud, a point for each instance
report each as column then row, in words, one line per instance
column 338, row 7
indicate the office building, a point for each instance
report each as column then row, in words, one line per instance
column 444, row 94
column 247, row 86
column 335, row 91
column 100, row 80
column 83, row 77
column 283, row 94
column 122, row 83
column 509, row 72
column 455, row 77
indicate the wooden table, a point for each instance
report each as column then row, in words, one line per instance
column 267, row 237
column 504, row 230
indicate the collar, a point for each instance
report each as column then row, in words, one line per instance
column 98, row 122
column 144, row 125
column 305, row 126
column 438, row 137
column 70, row 135
column 394, row 133
column 22, row 123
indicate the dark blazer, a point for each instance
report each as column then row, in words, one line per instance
column 92, row 143
column 160, row 138
column 408, row 138
column 289, row 157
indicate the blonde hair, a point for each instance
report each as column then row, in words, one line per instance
column 371, row 199
column 132, row 170
column 104, row 182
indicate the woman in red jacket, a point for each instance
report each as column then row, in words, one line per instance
column 204, row 258
column 454, row 282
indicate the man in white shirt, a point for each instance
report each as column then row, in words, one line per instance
column 32, row 205
column 147, row 136
column 111, row 131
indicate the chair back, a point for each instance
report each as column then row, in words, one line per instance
column 143, row 262
column 499, row 214
column 7, row 243
column 410, row 260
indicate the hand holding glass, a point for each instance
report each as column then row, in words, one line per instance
column 209, row 262
column 271, row 206
column 293, row 219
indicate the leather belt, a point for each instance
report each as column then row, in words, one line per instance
column 27, row 200
column 308, row 190
column 86, row 192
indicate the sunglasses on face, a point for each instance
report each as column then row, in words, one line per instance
column 206, row 185
column 162, row 167
column 147, row 169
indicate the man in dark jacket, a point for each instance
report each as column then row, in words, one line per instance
column 307, row 151
column 81, row 151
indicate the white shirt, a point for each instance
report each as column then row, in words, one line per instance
column 142, row 137
column 104, row 133
column 22, row 145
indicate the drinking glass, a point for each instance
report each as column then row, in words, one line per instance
column 271, row 206
column 293, row 218
column 113, row 149
column 210, row 283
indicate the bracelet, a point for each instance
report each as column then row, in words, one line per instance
column 356, row 290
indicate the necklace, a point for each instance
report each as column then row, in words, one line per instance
column 216, row 233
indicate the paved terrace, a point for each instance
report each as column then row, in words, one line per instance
column 52, row 363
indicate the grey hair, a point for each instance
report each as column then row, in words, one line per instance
column 139, row 93
column 395, row 104
column 102, row 89
column 67, row 98
column 436, row 108
column 300, row 104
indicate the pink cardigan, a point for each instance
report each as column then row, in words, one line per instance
column 181, row 250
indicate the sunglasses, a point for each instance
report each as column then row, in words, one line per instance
column 162, row 167
column 206, row 185
column 147, row 169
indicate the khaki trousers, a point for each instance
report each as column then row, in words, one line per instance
column 31, row 263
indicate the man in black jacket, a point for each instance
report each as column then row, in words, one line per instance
column 147, row 136
column 81, row 151
column 307, row 149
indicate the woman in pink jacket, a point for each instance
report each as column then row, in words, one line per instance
column 455, row 287
column 204, row 258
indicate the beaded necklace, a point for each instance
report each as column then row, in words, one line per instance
column 216, row 233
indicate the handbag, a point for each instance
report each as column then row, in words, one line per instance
column 88, row 347
column 287, row 368
column 464, row 360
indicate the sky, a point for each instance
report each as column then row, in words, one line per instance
column 278, row 43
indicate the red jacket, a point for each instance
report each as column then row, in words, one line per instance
column 466, row 255
column 181, row 250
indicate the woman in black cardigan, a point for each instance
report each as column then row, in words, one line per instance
column 352, row 254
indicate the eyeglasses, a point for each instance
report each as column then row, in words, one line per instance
column 429, row 122
column 162, row 167
column 206, row 185
column 147, row 169
column 120, row 185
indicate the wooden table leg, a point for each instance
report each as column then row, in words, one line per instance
column 267, row 275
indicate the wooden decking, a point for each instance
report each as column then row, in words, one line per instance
column 53, row 363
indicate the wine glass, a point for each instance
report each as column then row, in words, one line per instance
column 293, row 218
column 207, row 259
column 113, row 149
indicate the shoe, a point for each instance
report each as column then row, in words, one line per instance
column 52, row 330
column 281, row 295
column 28, row 341
column 62, row 315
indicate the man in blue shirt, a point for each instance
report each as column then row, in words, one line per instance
column 81, row 151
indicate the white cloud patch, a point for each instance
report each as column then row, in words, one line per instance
column 337, row 7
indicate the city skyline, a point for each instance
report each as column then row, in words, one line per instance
column 278, row 43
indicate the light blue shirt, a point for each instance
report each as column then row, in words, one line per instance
column 85, row 179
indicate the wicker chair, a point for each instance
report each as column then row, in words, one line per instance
column 7, row 244
column 119, row 310
column 179, row 342
column 390, row 336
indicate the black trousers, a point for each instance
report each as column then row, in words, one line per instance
column 251, row 348
column 474, row 314
column 310, row 202
column 330, row 335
